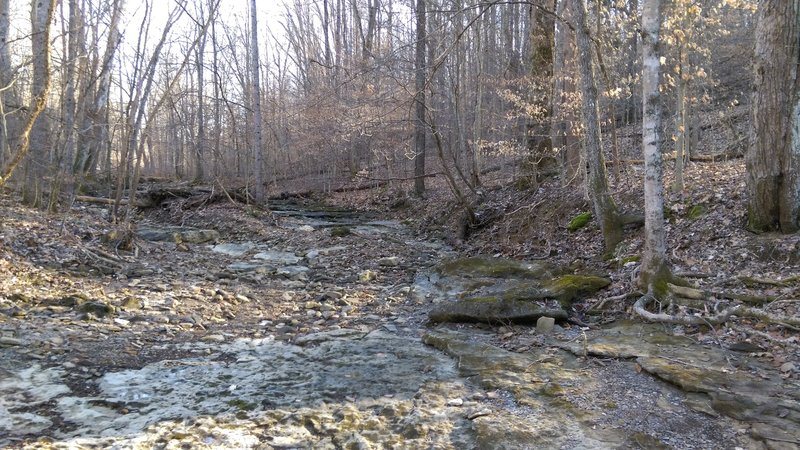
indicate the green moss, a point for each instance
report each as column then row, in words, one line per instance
column 568, row 288
column 485, row 299
column 242, row 405
column 492, row 267
column 642, row 440
column 340, row 231
column 552, row 390
column 524, row 183
column 579, row 221
column 695, row 212
column 631, row 258
column 611, row 404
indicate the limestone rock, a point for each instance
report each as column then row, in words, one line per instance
column 177, row 234
column 545, row 325
column 389, row 261
column 493, row 267
column 493, row 310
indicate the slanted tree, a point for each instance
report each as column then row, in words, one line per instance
column 773, row 157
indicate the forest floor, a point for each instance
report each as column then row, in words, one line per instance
column 80, row 303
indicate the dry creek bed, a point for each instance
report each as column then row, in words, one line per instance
column 308, row 337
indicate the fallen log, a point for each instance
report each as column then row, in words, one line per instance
column 110, row 201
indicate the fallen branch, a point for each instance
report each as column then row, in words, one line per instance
column 109, row 201
column 427, row 175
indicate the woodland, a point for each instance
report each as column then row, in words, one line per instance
column 533, row 188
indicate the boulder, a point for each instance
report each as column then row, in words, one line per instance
column 177, row 234
column 482, row 266
column 493, row 310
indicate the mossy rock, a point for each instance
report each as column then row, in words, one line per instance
column 628, row 259
column 569, row 288
column 97, row 308
column 493, row 268
column 579, row 221
column 242, row 405
column 73, row 300
column 493, row 310
column 178, row 235
column 695, row 212
column 341, row 231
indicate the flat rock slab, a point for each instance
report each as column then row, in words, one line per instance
column 726, row 382
column 276, row 257
column 494, row 311
column 177, row 234
column 484, row 266
column 571, row 403
column 233, row 249
column 337, row 379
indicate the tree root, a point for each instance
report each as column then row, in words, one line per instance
column 640, row 308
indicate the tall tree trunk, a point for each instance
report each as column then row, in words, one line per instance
column 419, row 85
column 605, row 210
column 91, row 144
column 563, row 119
column 655, row 269
column 8, row 98
column 258, row 191
column 200, row 145
column 773, row 157
column 42, row 17
column 75, row 44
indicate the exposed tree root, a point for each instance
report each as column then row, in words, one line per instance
column 695, row 298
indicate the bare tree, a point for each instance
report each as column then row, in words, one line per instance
column 8, row 98
column 655, row 270
column 255, row 79
column 41, row 18
column 605, row 209
column 420, row 124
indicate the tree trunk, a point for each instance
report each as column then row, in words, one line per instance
column 562, row 118
column 654, row 262
column 8, row 98
column 605, row 210
column 773, row 157
column 681, row 124
column 200, row 145
column 419, row 85
column 258, row 191
column 40, row 44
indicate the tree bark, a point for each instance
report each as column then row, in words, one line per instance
column 655, row 269
column 562, row 117
column 41, row 17
column 258, row 191
column 419, row 101
column 773, row 157
column 605, row 210
column 8, row 98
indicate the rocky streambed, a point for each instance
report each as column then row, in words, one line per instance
column 340, row 331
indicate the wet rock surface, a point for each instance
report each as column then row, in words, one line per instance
column 324, row 342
